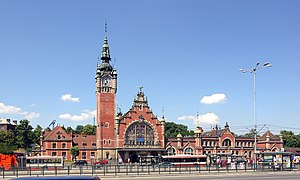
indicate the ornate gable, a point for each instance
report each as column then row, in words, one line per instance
column 139, row 127
column 57, row 134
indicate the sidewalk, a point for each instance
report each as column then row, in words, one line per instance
column 215, row 174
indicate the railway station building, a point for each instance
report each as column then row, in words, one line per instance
column 138, row 132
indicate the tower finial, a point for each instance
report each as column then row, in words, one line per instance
column 163, row 112
column 105, row 27
column 115, row 62
column 141, row 88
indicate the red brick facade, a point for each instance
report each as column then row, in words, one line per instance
column 56, row 143
column 222, row 142
column 269, row 142
column 106, row 89
column 87, row 146
column 139, row 132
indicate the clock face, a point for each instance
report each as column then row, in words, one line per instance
column 106, row 81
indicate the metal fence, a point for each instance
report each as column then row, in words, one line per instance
column 135, row 169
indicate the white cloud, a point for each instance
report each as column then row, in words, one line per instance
column 208, row 118
column 68, row 97
column 186, row 118
column 214, row 98
column 85, row 115
column 31, row 115
column 8, row 109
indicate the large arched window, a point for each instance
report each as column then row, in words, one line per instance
column 226, row 142
column 171, row 151
column 139, row 133
column 189, row 151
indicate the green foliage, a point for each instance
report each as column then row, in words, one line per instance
column 24, row 135
column 7, row 142
column 37, row 133
column 250, row 134
column 290, row 139
column 172, row 130
column 69, row 129
column 89, row 130
column 79, row 129
column 74, row 152
column 47, row 129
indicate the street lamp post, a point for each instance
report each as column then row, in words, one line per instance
column 102, row 144
column 253, row 71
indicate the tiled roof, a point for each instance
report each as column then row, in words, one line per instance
column 214, row 133
column 271, row 136
column 6, row 121
column 58, row 133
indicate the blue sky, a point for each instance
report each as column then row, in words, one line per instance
column 179, row 51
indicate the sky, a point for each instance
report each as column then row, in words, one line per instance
column 186, row 55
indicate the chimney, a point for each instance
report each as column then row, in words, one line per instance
column 15, row 121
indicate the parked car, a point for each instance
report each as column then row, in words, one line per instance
column 101, row 162
column 80, row 163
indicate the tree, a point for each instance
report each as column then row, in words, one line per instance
column 74, row 152
column 173, row 129
column 24, row 134
column 69, row 129
column 290, row 139
column 47, row 129
column 79, row 129
column 37, row 132
column 89, row 129
column 250, row 134
column 7, row 142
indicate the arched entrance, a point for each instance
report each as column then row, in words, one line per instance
column 140, row 142
column 139, row 134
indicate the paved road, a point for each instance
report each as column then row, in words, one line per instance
column 294, row 175
column 223, row 176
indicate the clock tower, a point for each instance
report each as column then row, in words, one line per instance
column 106, row 89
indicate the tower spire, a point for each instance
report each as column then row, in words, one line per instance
column 104, row 67
column 105, row 28
column 105, row 48
column 105, row 51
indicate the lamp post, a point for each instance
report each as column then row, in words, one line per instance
column 253, row 71
column 102, row 144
